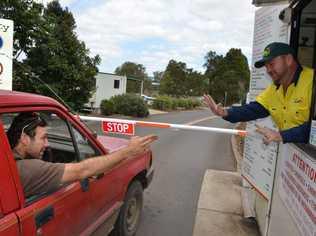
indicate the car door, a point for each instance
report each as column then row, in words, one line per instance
column 9, row 200
column 104, row 188
column 67, row 210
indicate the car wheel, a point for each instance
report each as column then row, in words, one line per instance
column 129, row 217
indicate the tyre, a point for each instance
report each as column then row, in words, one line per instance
column 130, row 213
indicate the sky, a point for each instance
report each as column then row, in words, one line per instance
column 152, row 32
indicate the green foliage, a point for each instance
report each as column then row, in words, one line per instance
column 107, row 107
column 167, row 103
column 130, row 105
column 53, row 52
column 178, row 80
column 163, row 103
column 136, row 72
column 188, row 103
column 28, row 25
column 228, row 75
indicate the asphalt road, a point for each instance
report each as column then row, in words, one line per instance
column 180, row 159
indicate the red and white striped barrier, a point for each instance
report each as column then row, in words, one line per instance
column 127, row 127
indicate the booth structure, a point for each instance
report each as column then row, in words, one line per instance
column 282, row 178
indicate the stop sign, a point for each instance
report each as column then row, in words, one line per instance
column 118, row 127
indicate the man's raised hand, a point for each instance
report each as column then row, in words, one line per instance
column 217, row 109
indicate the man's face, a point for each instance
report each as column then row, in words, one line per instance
column 277, row 68
column 38, row 143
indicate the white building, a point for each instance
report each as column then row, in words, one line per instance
column 107, row 85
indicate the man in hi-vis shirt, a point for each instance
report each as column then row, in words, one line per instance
column 287, row 100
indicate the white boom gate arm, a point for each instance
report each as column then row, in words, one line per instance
column 167, row 125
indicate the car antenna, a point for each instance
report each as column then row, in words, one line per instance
column 53, row 92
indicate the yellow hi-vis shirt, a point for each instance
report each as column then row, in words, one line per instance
column 293, row 108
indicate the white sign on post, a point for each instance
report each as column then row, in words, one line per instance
column 6, row 51
column 297, row 188
column 259, row 160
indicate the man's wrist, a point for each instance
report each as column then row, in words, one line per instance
column 224, row 112
column 280, row 139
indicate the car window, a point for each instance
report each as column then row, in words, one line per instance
column 60, row 141
column 61, row 147
column 85, row 148
column 61, row 144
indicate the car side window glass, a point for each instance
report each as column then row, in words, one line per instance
column 60, row 140
column 85, row 149
column 61, row 147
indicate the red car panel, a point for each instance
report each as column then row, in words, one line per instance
column 76, row 209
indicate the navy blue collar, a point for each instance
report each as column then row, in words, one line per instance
column 296, row 76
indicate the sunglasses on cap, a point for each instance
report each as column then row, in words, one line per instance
column 34, row 121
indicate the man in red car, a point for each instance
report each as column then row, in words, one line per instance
column 28, row 139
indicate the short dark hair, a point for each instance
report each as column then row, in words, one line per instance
column 25, row 122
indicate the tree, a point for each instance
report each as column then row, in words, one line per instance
column 28, row 24
column 178, row 80
column 227, row 75
column 136, row 71
column 173, row 81
column 239, row 64
column 53, row 53
column 212, row 62
column 196, row 83
column 158, row 75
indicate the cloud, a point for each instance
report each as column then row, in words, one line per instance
column 152, row 32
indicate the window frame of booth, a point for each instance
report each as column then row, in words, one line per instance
column 297, row 11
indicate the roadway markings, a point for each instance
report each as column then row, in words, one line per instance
column 201, row 120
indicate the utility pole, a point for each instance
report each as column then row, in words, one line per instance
column 141, row 87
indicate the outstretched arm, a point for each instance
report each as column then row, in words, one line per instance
column 247, row 112
column 298, row 134
column 100, row 164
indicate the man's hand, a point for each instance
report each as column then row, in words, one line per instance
column 217, row 109
column 138, row 145
column 269, row 135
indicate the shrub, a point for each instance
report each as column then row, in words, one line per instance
column 107, row 107
column 163, row 103
column 130, row 105
column 182, row 103
column 189, row 103
column 196, row 102
column 169, row 103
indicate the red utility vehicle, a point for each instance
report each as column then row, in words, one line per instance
column 94, row 206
